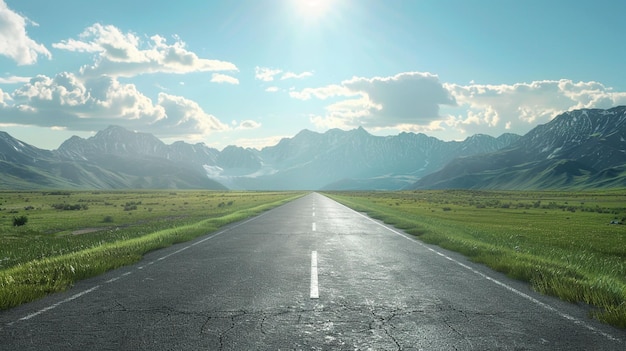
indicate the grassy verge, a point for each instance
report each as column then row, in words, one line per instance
column 28, row 279
column 561, row 243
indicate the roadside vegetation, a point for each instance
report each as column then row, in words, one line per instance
column 567, row 244
column 49, row 240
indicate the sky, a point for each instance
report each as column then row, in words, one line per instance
column 250, row 72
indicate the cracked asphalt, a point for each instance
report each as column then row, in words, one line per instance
column 247, row 287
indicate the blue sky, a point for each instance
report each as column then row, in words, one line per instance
column 251, row 72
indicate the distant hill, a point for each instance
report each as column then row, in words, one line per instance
column 577, row 149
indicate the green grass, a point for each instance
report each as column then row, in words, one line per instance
column 58, row 246
column 562, row 243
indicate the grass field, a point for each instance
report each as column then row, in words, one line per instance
column 563, row 243
column 48, row 240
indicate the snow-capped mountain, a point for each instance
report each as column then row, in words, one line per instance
column 336, row 159
column 577, row 149
column 581, row 148
column 15, row 151
column 113, row 141
column 596, row 138
column 356, row 159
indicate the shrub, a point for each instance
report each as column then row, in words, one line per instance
column 68, row 207
column 19, row 221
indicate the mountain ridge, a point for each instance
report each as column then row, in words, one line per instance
column 577, row 149
column 309, row 160
column 580, row 147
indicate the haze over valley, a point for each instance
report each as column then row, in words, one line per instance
column 578, row 149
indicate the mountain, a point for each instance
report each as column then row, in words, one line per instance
column 22, row 164
column 118, row 158
column 355, row 159
column 336, row 159
column 577, row 149
column 112, row 159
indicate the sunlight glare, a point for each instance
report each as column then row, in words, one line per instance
column 313, row 9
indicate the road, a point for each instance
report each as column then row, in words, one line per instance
column 309, row 275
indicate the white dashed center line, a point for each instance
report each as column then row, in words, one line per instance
column 315, row 294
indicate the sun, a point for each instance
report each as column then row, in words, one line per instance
column 313, row 9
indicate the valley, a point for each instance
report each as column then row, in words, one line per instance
column 577, row 150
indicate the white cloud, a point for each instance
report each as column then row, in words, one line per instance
column 4, row 99
column 259, row 143
column 110, row 99
column 223, row 78
column 291, row 75
column 272, row 89
column 65, row 101
column 419, row 102
column 519, row 107
column 184, row 116
column 14, row 41
column 43, row 92
column 323, row 93
column 14, row 80
column 266, row 74
column 249, row 124
column 122, row 54
column 411, row 98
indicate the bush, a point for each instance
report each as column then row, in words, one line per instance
column 68, row 207
column 19, row 221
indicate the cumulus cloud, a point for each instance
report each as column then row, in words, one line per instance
column 259, row 143
column 266, row 74
column 419, row 102
column 272, row 89
column 14, row 41
column 223, row 78
column 323, row 93
column 249, row 124
column 381, row 102
column 4, row 99
column 519, row 107
column 411, row 97
column 184, row 116
column 67, row 101
column 292, row 75
column 124, row 54
column 14, row 80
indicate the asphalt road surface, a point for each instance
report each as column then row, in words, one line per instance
column 309, row 275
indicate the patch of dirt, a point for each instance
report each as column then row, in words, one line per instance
column 87, row 230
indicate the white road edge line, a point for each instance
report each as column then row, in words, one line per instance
column 74, row 297
column 71, row 298
column 495, row 281
column 315, row 293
